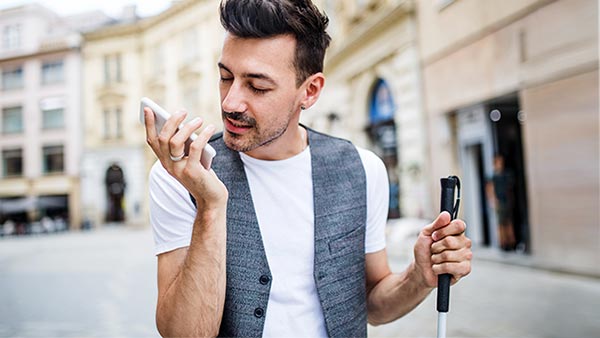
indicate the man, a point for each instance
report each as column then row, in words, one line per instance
column 285, row 235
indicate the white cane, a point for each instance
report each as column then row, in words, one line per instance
column 443, row 290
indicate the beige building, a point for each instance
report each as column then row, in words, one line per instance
column 372, row 94
column 40, row 117
column 518, row 78
column 170, row 58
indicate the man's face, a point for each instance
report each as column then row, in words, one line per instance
column 259, row 97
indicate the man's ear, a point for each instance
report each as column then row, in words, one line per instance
column 313, row 86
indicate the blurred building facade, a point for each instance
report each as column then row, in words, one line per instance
column 170, row 58
column 518, row 79
column 40, row 125
column 372, row 94
column 435, row 87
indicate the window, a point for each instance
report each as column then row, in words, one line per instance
column 12, row 120
column 53, row 118
column 53, row 112
column 12, row 162
column 53, row 159
column 112, row 68
column 52, row 72
column 12, row 78
column 11, row 37
column 113, row 124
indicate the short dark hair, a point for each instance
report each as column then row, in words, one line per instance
column 268, row 18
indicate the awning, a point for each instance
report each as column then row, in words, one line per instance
column 17, row 205
column 24, row 204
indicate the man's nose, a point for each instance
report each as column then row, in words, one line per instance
column 234, row 100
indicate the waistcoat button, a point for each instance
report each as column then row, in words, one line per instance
column 259, row 312
column 321, row 275
column 264, row 279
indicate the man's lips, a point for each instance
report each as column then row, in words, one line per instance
column 235, row 126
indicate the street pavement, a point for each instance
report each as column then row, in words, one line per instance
column 99, row 283
column 102, row 283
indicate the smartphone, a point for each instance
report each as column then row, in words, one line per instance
column 160, row 118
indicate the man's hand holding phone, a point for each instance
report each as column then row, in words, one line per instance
column 160, row 118
column 184, row 155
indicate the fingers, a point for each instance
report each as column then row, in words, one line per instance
column 177, row 142
column 450, row 243
column 198, row 145
column 442, row 247
column 456, row 269
column 451, row 248
column 150, row 127
column 442, row 220
column 456, row 227
column 452, row 256
column 167, row 132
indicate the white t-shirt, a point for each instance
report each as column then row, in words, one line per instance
column 282, row 194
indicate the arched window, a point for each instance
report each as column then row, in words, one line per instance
column 382, row 105
column 382, row 130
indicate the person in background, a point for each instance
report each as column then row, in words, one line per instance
column 501, row 196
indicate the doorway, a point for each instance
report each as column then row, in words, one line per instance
column 506, row 119
column 115, row 191
column 486, row 131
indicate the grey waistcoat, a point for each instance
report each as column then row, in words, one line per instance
column 339, row 189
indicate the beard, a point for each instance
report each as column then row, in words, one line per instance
column 257, row 136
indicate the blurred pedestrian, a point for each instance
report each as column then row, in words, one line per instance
column 8, row 227
column 501, row 196
column 47, row 224
column 21, row 228
column 285, row 236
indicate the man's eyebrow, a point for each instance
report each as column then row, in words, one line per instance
column 222, row 66
column 260, row 76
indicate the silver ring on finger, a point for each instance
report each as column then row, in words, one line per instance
column 177, row 158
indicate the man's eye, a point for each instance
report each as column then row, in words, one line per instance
column 226, row 79
column 258, row 91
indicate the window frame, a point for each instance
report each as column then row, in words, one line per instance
column 58, row 79
column 21, row 128
column 11, row 36
column 47, row 151
column 112, row 68
column 5, row 159
column 46, row 126
column 9, row 73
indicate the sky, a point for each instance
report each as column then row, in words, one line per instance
column 111, row 7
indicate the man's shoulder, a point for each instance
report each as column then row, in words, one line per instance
column 373, row 165
column 366, row 155
column 326, row 137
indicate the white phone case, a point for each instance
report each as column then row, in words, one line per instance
column 161, row 117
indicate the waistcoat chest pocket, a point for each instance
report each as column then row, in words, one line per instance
column 348, row 242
